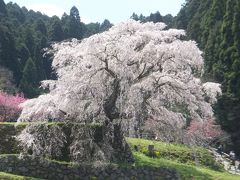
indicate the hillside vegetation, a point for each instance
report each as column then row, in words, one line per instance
column 23, row 35
column 182, row 158
column 202, row 167
column 215, row 25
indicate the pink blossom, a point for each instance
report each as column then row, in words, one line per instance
column 203, row 132
column 9, row 106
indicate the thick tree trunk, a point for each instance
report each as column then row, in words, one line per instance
column 109, row 105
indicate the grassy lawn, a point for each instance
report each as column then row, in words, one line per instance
column 186, row 170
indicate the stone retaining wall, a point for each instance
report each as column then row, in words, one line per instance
column 104, row 142
column 36, row 167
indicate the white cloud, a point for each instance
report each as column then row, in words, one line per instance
column 48, row 9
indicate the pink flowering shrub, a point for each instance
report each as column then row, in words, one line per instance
column 202, row 133
column 9, row 106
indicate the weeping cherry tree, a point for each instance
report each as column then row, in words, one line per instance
column 133, row 74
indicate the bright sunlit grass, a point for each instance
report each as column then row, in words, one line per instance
column 186, row 170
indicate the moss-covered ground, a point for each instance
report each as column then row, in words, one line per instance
column 8, row 176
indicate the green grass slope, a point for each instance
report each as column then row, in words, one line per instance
column 169, row 155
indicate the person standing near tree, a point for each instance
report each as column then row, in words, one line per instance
column 232, row 157
column 220, row 149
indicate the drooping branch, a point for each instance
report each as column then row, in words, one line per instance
column 145, row 72
column 120, row 63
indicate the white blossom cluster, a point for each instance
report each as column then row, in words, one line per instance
column 146, row 69
column 42, row 140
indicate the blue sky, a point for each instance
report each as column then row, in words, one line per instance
column 98, row 10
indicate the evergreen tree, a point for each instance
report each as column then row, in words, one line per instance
column 142, row 18
column 23, row 35
column 227, row 112
column 30, row 72
column 74, row 13
column 29, row 41
column 28, row 84
column 65, row 21
column 92, row 28
column 8, row 52
column 105, row 25
column 168, row 19
column 15, row 13
column 56, row 31
column 135, row 17
column 23, row 55
column 3, row 10
column 75, row 28
column 154, row 17
column 157, row 17
column 38, row 60
column 227, row 24
column 41, row 27
column 215, row 25
column 236, row 26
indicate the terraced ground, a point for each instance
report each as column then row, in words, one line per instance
column 191, row 163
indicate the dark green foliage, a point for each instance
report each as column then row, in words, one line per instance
column 23, row 35
column 227, row 111
column 74, row 13
column 105, row 25
column 39, row 63
column 41, row 27
column 15, row 14
column 29, row 41
column 92, row 28
column 29, row 81
column 8, row 52
column 154, row 17
column 3, row 10
column 23, row 54
column 74, row 25
column 168, row 19
column 56, row 32
column 215, row 25
column 135, row 17
column 30, row 72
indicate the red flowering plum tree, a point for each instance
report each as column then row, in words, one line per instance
column 9, row 106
